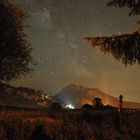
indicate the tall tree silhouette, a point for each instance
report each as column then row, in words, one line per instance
column 125, row 47
column 97, row 103
column 15, row 51
column 120, row 103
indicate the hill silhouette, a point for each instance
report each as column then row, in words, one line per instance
column 78, row 95
column 22, row 96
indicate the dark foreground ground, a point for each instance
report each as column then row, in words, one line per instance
column 68, row 125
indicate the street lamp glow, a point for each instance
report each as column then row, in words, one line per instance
column 70, row 106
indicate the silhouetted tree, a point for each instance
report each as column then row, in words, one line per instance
column 125, row 47
column 109, row 107
column 87, row 107
column 55, row 106
column 97, row 103
column 15, row 51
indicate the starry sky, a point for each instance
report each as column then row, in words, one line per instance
column 56, row 31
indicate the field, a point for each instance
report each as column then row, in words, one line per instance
column 69, row 124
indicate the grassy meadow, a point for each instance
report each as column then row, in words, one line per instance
column 70, row 124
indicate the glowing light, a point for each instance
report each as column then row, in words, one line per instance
column 70, row 106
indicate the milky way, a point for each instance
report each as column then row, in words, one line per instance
column 56, row 32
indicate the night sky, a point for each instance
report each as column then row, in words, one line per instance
column 56, row 32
